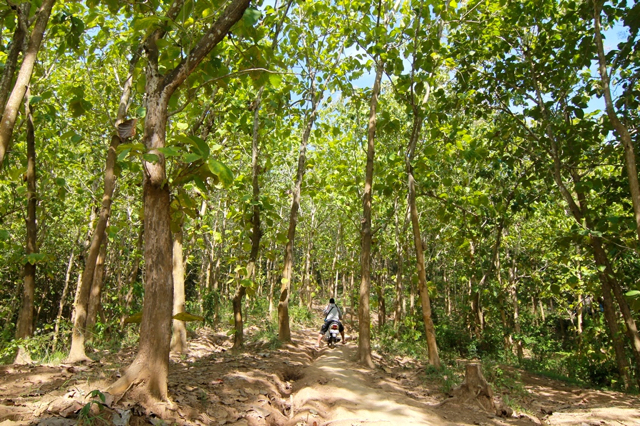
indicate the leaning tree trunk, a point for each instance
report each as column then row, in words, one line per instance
column 81, row 306
column 364, row 310
column 17, row 43
column 620, row 128
column 24, row 327
column 21, row 85
column 63, row 297
column 430, row 331
column 284, row 332
column 150, row 367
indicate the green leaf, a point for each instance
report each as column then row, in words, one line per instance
column 429, row 151
column 201, row 146
column 632, row 293
column 223, row 172
column 251, row 16
column 34, row 258
column 124, row 154
column 186, row 316
column 200, row 184
column 170, row 151
column 275, row 80
column 134, row 319
column 191, row 157
column 151, row 158
column 4, row 234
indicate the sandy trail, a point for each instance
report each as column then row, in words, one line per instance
column 335, row 391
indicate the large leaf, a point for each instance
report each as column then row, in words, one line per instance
column 186, row 316
column 134, row 319
column 223, row 172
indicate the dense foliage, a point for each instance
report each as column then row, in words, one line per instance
column 522, row 187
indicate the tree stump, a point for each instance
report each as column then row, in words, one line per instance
column 476, row 387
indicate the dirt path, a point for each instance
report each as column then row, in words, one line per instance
column 335, row 391
column 292, row 385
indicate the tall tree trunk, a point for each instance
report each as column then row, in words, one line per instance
column 151, row 365
column 24, row 327
column 307, row 265
column 430, row 331
column 620, row 128
column 513, row 293
column 397, row 318
column 284, row 332
column 334, row 272
column 81, row 306
column 179, row 330
column 256, row 232
column 217, row 288
column 364, row 314
column 616, row 340
column 10, row 112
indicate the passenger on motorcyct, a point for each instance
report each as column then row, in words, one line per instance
column 331, row 313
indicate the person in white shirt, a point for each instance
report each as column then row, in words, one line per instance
column 331, row 313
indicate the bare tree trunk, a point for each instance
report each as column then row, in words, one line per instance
column 151, row 365
column 95, row 294
column 620, row 128
column 179, row 332
column 334, row 272
column 364, row 315
column 81, row 306
column 616, row 340
column 284, row 333
column 24, row 327
column 10, row 112
column 430, row 331
column 256, row 232
column 513, row 292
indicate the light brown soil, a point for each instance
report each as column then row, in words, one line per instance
column 293, row 385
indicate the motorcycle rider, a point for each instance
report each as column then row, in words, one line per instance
column 331, row 313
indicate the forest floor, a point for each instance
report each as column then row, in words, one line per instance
column 295, row 384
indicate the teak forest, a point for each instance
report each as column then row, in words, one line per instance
column 461, row 176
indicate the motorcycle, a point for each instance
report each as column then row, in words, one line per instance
column 332, row 334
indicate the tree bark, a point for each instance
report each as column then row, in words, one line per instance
column 256, row 233
column 95, row 295
column 284, row 332
column 24, row 327
column 17, row 45
column 81, row 306
column 63, row 297
column 364, row 314
column 10, row 112
column 434, row 358
column 397, row 318
column 620, row 128
column 151, row 365
column 179, row 330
